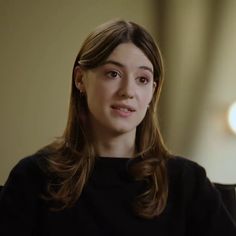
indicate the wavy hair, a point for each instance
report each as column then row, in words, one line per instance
column 72, row 156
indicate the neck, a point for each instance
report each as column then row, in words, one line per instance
column 117, row 146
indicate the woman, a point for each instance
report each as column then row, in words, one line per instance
column 110, row 173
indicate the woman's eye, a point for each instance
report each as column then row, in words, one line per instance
column 113, row 74
column 143, row 80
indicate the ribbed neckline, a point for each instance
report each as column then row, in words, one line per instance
column 115, row 161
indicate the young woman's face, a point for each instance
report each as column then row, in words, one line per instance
column 119, row 91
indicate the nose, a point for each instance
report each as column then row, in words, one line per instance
column 127, row 89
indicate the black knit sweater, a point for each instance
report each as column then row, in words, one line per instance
column 194, row 206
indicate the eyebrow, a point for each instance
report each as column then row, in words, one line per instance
column 116, row 63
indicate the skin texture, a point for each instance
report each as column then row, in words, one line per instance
column 118, row 93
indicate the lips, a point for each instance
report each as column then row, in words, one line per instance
column 122, row 107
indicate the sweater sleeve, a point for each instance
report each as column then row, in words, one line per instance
column 19, row 199
column 206, row 213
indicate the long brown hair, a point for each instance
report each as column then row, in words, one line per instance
column 73, row 155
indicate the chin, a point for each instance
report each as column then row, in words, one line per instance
column 123, row 130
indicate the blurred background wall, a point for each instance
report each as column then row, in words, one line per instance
column 40, row 39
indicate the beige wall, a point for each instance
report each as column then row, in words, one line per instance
column 38, row 43
column 215, row 146
column 200, row 56
column 40, row 39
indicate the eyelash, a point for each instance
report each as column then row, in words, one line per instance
column 110, row 75
column 145, row 78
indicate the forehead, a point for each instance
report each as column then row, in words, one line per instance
column 130, row 55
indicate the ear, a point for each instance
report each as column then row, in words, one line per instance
column 154, row 87
column 78, row 79
column 153, row 90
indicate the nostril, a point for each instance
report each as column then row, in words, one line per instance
column 127, row 96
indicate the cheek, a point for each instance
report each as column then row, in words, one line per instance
column 145, row 99
column 97, row 100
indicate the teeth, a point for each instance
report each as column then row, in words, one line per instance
column 123, row 109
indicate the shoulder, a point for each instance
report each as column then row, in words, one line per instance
column 33, row 164
column 180, row 167
column 29, row 171
column 192, row 192
column 182, row 163
column 21, row 196
column 189, row 181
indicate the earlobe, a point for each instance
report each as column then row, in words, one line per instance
column 78, row 79
column 154, row 86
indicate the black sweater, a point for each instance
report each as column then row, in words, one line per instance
column 194, row 206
